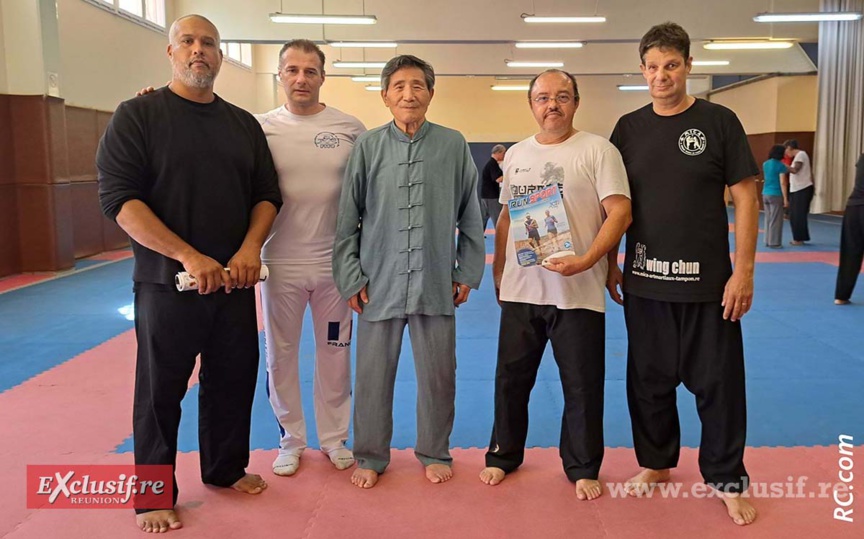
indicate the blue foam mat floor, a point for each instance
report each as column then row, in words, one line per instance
column 805, row 360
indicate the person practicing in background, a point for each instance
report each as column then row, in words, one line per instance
column 552, row 228
column 409, row 185
column 682, row 300
column 490, row 186
column 532, row 228
column 851, row 239
column 774, row 196
column 801, row 191
column 565, row 305
column 189, row 177
column 310, row 143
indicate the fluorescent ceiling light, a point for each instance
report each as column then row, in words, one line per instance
column 808, row 17
column 534, row 64
column 364, row 44
column 710, row 62
column 549, row 45
column 534, row 19
column 632, row 88
column 360, row 65
column 510, row 88
column 747, row 45
column 322, row 19
column 373, row 88
column 366, row 78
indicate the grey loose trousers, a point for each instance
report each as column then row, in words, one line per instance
column 433, row 341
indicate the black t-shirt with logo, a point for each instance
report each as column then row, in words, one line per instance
column 678, row 166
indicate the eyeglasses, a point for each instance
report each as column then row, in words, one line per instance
column 562, row 99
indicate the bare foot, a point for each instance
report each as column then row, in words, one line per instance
column 492, row 476
column 438, row 473
column 158, row 521
column 364, row 478
column 739, row 509
column 645, row 480
column 250, row 484
column 588, row 489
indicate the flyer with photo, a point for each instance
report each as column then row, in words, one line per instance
column 539, row 228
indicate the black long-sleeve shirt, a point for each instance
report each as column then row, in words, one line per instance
column 489, row 188
column 201, row 168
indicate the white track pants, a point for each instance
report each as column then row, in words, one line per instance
column 284, row 297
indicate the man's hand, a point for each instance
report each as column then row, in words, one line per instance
column 615, row 283
column 244, row 268
column 357, row 301
column 148, row 90
column 567, row 265
column 460, row 293
column 737, row 296
column 209, row 273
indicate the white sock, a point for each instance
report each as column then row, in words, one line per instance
column 286, row 465
column 342, row 458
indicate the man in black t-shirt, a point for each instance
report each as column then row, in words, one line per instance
column 490, row 185
column 682, row 299
column 190, row 178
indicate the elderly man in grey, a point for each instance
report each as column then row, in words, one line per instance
column 409, row 185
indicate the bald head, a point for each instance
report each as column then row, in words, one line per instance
column 175, row 31
column 194, row 52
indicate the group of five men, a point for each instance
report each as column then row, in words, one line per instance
column 190, row 177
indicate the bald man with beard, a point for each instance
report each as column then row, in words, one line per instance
column 190, row 178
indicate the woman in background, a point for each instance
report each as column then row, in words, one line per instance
column 851, row 239
column 774, row 196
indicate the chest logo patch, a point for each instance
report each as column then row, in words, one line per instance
column 692, row 142
column 326, row 140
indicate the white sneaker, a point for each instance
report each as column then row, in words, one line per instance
column 286, row 465
column 341, row 457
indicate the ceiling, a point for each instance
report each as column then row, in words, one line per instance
column 475, row 37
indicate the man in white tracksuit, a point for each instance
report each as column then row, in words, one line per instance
column 310, row 143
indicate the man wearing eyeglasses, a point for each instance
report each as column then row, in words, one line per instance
column 562, row 301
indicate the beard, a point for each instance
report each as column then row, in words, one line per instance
column 194, row 79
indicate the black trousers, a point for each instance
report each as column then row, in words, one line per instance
column 578, row 341
column 491, row 210
column 799, row 208
column 670, row 343
column 172, row 329
column 851, row 251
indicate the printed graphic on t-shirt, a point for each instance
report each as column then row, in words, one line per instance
column 664, row 270
column 692, row 142
column 327, row 140
column 552, row 173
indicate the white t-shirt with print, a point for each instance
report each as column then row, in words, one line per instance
column 310, row 154
column 592, row 169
